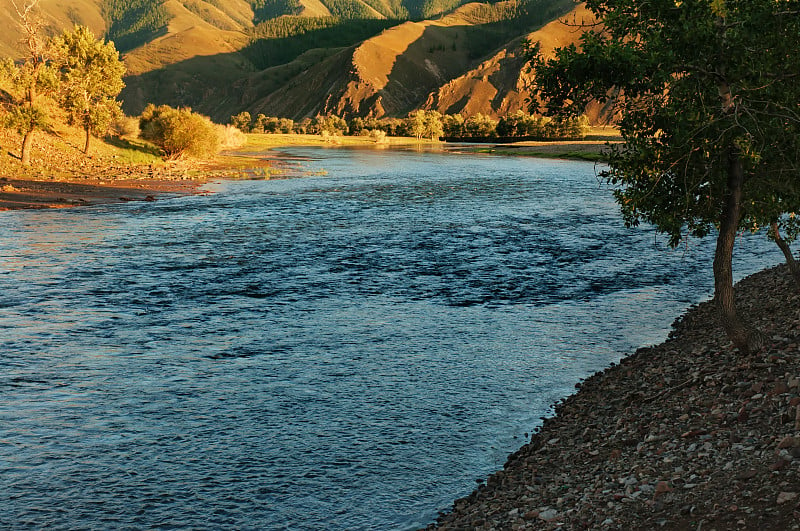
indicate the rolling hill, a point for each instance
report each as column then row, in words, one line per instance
column 300, row 58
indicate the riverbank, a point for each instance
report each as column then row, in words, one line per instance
column 684, row 435
column 66, row 178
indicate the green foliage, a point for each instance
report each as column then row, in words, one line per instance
column 91, row 79
column 179, row 132
column 348, row 9
column 480, row 126
column 425, row 124
column 453, row 125
column 271, row 124
column 282, row 40
column 679, row 130
column 242, row 121
column 431, row 8
column 328, row 125
column 709, row 117
column 27, row 86
column 26, row 118
column 131, row 23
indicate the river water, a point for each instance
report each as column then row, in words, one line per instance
column 349, row 350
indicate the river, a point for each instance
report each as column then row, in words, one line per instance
column 348, row 350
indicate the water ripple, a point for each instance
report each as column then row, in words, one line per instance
column 341, row 352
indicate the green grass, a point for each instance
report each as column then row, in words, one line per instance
column 134, row 151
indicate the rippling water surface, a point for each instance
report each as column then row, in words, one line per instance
column 349, row 350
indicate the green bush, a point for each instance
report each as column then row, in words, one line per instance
column 179, row 132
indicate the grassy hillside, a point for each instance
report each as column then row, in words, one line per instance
column 298, row 58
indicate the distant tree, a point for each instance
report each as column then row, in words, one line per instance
column 480, row 126
column 303, row 126
column 285, row 125
column 331, row 125
column 242, row 121
column 709, row 118
column 356, row 126
column 453, row 125
column 91, row 79
column 260, row 123
column 425, row 124
column 28, row 83
column 179, row 132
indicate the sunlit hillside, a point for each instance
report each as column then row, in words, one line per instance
column 300, row 58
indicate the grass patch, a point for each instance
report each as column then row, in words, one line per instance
column 136, row 151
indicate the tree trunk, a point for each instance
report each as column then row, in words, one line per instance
column 88, row 137
column 743, row 339
column 25, row 156
column 794, row 269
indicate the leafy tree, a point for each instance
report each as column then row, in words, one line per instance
column 709, row 117
column 480, row 126
column 331, row 125
column 453, row 125
column 91, row 80
column 179, row 132
column 28, row 83
column 241, row 121
column 425, row 124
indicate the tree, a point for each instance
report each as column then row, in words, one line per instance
column 709, row 117
column 425, row 124
column 480, row 126
column 28, row 82
column 91, row 80
column 453, row 125
column 241, row 121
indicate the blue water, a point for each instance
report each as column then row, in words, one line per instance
column 349, row 350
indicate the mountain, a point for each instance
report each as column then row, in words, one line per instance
column 300, row 58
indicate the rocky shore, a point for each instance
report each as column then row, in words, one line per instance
column 689, row 434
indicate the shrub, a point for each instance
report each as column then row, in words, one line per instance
column 125, row 126
column 179, row 132
column 230, row 137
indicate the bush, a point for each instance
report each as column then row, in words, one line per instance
column 125, row 127
column 179, row 132
column 230, row 137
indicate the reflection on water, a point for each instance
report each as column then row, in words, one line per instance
column 346, row 351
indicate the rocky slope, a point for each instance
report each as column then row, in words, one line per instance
column 688, row 434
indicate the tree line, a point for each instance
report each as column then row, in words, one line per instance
column 424, row 124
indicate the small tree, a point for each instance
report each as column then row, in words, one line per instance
column 28, row 83
column 425, row 124
column 91, row 80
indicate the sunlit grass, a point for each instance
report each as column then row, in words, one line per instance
column 260, row 141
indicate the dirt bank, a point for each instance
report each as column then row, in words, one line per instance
column 25, row 193
column 685, row 435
